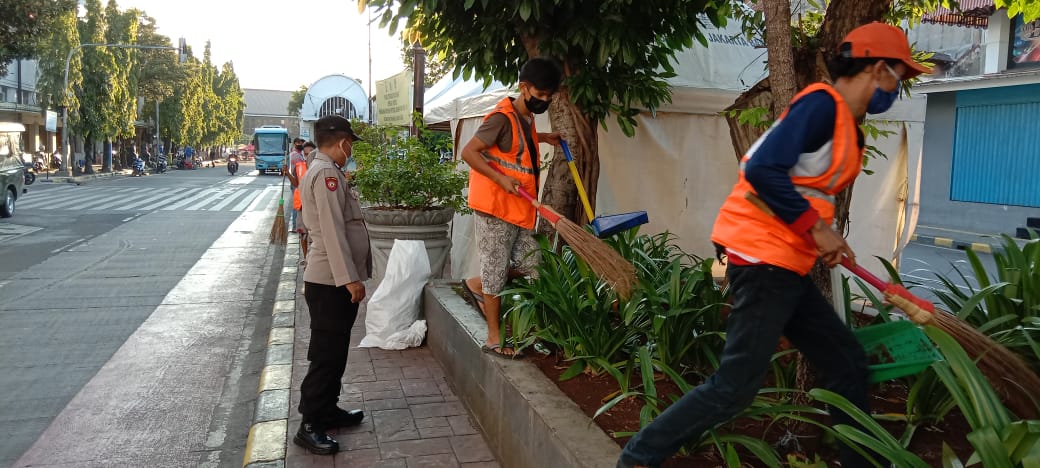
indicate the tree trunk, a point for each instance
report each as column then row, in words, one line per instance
column 781, row 55
column 559, row 191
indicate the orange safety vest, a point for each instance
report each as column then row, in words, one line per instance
column 299, row 169
column 746, row 229
column 486, row 196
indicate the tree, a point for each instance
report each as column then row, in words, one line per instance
column 122, row 29
column 97, row 105
column 615, row 57
column 232, row 103
column 437, row 65
column 296, row 101
column 210, row 103
column 26, row 24
column 54, row 49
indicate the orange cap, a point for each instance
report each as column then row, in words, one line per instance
column 880, row 40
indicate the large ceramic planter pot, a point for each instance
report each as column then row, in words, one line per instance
column 430, row 226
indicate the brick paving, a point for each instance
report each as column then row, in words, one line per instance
column 412, row 417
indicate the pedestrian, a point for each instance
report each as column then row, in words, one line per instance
column 296, row 173
column 504, row 221
column 337, row 264
column 813, row 151
column 309, row 151
column 295, row 155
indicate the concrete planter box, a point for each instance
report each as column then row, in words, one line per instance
column 527, row 420
column 429, row 226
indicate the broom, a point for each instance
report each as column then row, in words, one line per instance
column 1007, row 372
column 608, row 265
column 279, row 231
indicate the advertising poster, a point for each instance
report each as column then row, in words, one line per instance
column 1025, row 42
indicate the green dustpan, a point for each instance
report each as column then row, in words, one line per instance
column 896, row 349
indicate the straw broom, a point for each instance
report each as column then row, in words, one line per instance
column 609, row 265
column 279, row 231
column 1009, row 375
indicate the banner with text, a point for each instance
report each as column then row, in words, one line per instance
column 394, row 99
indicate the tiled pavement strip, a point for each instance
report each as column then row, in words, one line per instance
column 412, row 417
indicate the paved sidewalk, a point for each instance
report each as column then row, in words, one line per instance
column 412, row 416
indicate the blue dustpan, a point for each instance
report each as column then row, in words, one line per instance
column 608, row 225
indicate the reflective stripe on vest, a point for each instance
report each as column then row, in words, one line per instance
column 486, row 196
column 817, row 176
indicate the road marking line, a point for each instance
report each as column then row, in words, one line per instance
column 242, row 205
column 177, row 195
column 264, row 200
column 129, row 206
column 227, row 200
column 188, row 200
column 215, row 196
column 69, row 246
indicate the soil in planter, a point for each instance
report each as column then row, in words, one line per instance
column 591, row 392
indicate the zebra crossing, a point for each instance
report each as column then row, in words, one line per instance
column 226, row 197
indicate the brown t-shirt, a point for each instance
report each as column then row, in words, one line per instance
column 498, row 131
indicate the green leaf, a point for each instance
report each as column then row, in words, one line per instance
column 989, row 448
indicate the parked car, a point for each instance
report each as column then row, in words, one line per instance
column 12, row 175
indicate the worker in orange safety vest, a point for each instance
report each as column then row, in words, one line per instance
column 502, row 156
column 772, row 228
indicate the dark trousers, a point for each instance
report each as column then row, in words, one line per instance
column 768, row 302
column 332, row 316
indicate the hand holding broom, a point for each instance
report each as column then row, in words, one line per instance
column 1012, row 379
column 609, row 265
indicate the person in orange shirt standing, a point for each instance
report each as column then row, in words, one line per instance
column 812, row 152
column 504, row 221
column 297, row 169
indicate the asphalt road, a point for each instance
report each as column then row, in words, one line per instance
column 921, row 263
column 135, row 312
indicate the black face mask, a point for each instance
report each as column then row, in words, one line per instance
column 536, row 105
column 299, row 147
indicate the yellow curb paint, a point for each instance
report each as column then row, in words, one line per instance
column 276, row 377
column 913, row 238
column 280, row 335
column 944, row 242
column 266, row 442
column 980, row 247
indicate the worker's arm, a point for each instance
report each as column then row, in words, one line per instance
column 808, row 126
column 472, row 153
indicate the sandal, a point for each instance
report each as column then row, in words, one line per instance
column 477, row 300
column 497, row 350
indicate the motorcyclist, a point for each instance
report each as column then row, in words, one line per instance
column 232, row 164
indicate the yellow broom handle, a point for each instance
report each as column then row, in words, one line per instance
column 577, row 180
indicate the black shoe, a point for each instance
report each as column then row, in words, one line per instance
column 344, row 418
column 315, row 440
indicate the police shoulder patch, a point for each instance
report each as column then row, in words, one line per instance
column 332, row 183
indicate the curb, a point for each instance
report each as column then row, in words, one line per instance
column 265, row 446
column 78, row 179
column 981, row 247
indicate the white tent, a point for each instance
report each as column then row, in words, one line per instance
column 680, row 164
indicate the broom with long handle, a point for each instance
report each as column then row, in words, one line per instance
column 279, row 231
column 1011, row 377
column 609, row 265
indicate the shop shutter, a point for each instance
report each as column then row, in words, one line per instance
column 996, row 152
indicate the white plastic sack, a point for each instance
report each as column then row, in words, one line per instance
column 393, row 310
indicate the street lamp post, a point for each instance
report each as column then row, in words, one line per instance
column 65, row 90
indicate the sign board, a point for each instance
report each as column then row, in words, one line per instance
column 1025, row 42
column 52, row 121
column 394, row 99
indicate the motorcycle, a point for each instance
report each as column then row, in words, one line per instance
column 160, row 165
column 29, row 174
column 56, row 161
column 138, row 168
column 38, row 163
column 232, row 165
column 196, row 162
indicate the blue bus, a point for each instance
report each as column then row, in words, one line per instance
column 271, row 146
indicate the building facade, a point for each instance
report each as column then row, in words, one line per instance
column 18, row 104
column 268, row 107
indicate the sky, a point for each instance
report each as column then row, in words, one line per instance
column 279, row 44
